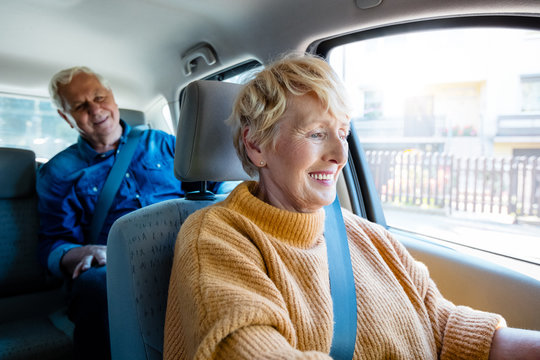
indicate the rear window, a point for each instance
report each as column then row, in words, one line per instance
column 33, row 123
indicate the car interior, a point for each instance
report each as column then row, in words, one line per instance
column 176, row 66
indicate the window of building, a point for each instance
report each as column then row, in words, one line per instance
column 530, row 93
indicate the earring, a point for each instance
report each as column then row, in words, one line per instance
column 261, row 163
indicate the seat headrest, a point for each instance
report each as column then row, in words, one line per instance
column 132, row 117
column 18, row 174
column 204, row 145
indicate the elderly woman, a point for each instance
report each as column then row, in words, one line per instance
column 250, row 275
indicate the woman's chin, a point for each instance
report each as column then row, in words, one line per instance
column 325, row 200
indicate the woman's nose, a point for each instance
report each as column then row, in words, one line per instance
column 338, row 150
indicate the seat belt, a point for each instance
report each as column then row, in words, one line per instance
column 114, row 179
column 341, row 283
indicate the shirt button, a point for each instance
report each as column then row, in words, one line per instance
column 158, row 165
column 137, row 196
column 127, row 175
column 103, row 155
column 94, row 189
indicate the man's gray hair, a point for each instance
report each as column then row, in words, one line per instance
column 64, row 77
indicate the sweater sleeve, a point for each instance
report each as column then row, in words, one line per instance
column 460, row 332
column 221, row 304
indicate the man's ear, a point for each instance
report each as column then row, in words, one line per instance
column 253, row 150
column 64, row 116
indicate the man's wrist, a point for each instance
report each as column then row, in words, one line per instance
column 55, row 258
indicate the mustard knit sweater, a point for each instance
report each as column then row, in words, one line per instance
column 250, row 281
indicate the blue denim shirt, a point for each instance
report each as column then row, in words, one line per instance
column 69, row 184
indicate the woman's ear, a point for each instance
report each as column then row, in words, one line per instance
column 253, row 150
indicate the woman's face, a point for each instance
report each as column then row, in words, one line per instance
column 301, row 170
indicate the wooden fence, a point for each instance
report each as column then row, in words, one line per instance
column 509, row 186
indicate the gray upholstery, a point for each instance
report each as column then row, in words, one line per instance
column 29, row 299
column 140, row 244
column 33, row 338
column 133, row 117
column 139, row 258
column 204, row 149
column 19, row 269
column 19, row 168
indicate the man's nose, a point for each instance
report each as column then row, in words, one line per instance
column 93, row 107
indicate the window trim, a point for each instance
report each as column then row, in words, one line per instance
column 323, row 46
column 222, row 76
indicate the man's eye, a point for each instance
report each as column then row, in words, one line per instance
column 99, row 98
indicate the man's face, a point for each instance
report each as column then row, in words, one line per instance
column 91, row 109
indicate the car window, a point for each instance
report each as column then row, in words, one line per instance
column 33, row 123
column 450, row 122
column 239, row 74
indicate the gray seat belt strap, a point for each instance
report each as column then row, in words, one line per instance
column 114, row 179
column 342, row 285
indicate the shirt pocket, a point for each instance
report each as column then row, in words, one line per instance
column 158, row 173
column 89, row 185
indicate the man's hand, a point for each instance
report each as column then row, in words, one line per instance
column 79, row 259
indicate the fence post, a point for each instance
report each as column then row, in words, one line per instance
column 393, row 155
column 529, row 187
column 458, row 182
column 536, row 187
column 504, row 166
column 512, row 191
column 450, row 182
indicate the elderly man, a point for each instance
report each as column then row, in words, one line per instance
column 69, row 186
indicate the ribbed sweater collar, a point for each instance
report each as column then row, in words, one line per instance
column 297, row 229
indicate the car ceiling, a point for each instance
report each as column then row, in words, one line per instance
column 138, row 44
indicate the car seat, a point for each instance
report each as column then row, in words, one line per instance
column 141, row 244
column 133, row 117
column 33, row 321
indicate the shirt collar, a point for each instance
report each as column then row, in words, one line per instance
column 88, row 152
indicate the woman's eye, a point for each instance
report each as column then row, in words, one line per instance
column 317, row 135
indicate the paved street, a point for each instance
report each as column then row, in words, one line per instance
column 494, row 233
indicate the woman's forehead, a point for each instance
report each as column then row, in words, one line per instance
column 307, row 109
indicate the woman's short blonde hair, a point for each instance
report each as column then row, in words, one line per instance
column 263, row 100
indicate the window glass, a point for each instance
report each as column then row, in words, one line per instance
column 245, row 76
column 450, row 122
column 33, row 124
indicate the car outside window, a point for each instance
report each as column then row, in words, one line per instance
column 33, row 123
column 450, row 122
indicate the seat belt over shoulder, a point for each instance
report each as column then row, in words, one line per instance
column 342, row 285
column 114, row 179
